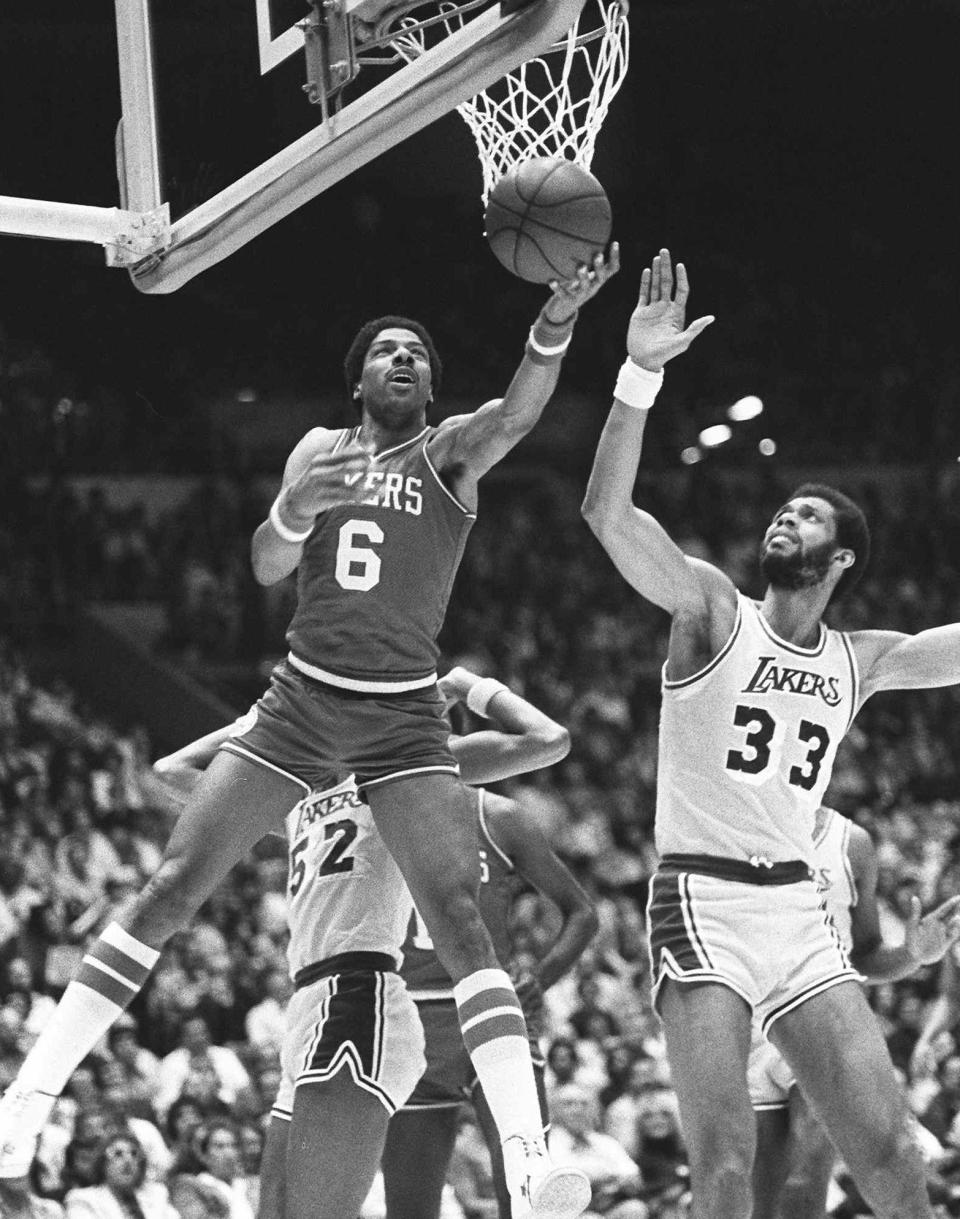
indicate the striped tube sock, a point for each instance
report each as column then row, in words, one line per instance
column 111, row 974
column 495, row 1034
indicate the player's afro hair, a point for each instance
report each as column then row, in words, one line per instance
column 853, row 532
column 353, row 363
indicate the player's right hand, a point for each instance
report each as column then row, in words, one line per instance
column 330, row 480
column 658, row 330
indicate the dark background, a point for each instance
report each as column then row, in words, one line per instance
column 800, row 157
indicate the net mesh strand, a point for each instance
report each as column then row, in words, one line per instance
column 551, row 106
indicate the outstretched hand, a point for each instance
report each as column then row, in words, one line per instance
column 570, row 294
column 656, row 332
column 927, row 938
column 330, row 480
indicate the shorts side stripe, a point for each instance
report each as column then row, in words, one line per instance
column 348, row 1056
column 673, row 925
column 690, row 919
column 379, row 1026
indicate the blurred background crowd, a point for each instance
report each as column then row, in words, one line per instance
column 191, row 1072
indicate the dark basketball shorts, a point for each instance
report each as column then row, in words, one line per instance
column 449, row 1078
column 775, row 945
column 317, row 734
column 360, row 1020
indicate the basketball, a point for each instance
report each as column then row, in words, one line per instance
column 546, row 217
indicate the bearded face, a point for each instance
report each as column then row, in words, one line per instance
column 797, row 566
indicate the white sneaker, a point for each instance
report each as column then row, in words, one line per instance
column 539, row 1189
column 23, row 1114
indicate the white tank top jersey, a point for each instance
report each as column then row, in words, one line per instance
column 831, row 843
column 748, row 743
column 345, row 893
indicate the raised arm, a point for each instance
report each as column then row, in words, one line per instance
column 314, row 479
column 465, row 447
column 926, row 937
column 520, row 737
column 638, row 545
column 892, row 660
column 519, row 837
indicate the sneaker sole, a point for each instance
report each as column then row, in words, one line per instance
column 564, row 1193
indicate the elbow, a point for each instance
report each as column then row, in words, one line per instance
column 556, row 744
column 549, row 746
column 597, row 513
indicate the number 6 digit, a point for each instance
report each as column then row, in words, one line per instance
column 350, row 556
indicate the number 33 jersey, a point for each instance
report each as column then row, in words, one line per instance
column 748, row 743
column 375, row 576
column 344, row 891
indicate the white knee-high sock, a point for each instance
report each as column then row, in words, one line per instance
column 111, row 974
column 495, row 1034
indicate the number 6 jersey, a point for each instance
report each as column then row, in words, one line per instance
column 748, row 743
column 375, row 576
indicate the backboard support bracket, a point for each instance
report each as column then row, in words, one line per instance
column 329, row 50
column 126, row 236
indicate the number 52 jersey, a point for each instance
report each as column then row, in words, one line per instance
column 345, row 893
column 747, row 745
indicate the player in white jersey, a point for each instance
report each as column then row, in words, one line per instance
column 756, row 696
column 353, row 1045
column 795, row 1158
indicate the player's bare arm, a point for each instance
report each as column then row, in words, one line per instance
column 520, row 737
column 465, row 447
column 701, row 599
column 892, row 660
column 314, row 479
column 927, row 937
column 943, row 1016
column 521, row 840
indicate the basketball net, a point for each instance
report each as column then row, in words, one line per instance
column 551, row 106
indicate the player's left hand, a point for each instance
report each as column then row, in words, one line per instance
column 927, row 937
column 570, row 294
column 455, row 685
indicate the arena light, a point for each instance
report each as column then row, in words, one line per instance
column 247, row 394
column 745, row 408
column 768, row 447
column 716, row 434
column 692, row 454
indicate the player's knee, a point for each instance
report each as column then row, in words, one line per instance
column 893, row 1146
column 168, row 901
column 727, row 1173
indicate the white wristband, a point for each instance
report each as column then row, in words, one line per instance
column 541, row 350
column 284, row 531
column 637, row 387
column 481, row 692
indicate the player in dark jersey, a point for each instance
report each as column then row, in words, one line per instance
column 514, row 856
column 376, row 522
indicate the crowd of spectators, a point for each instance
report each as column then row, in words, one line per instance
column 195, row 1064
